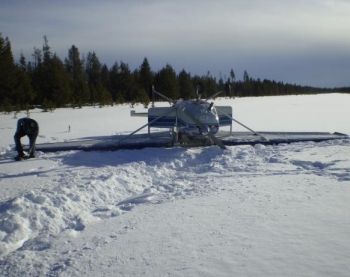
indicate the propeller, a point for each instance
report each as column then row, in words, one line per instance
column 168, row 99
column 214, row 95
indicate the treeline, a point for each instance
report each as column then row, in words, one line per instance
column 48, row 82
column 342, row 89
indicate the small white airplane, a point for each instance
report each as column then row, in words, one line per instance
column 190, row 121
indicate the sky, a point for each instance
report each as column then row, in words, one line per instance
column 303, row 42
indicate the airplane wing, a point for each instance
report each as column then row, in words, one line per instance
column 167, row 121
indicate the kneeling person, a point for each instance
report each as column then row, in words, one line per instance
column 26, row 127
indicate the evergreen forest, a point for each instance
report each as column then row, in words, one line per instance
column 47, row 82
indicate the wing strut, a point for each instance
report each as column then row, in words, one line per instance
column 143, row 126
column 245, row 126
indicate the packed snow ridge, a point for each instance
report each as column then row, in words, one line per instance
column 96, row 185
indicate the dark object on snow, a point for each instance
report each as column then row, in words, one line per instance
column 26, row 127
column 21, row 158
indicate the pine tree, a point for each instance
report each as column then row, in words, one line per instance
column 57, row 89
column 23, row 88
column 248, row 89
column 35, row 71
column 139, row 94
column 7, row 75
column 50, row 79
column 166, row 82
column 115, row 87
column 93, row 72
column 185, row 85
column 230, row 84
column 146, row 77
column 126, row 82
column 22, row 62
column 105, row 79
column 210, row 86
column 232, row 75
column 37, row 57
column 98, row 94
column 75, row 69
column 105, row 96
column 46, row 51
column 246, row 77
column 15, row 88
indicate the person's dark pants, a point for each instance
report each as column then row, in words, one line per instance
column 32, row 138
column 19, row 147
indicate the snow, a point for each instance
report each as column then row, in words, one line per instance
column 245, row 211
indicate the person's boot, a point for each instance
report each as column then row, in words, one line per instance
column 19, row 157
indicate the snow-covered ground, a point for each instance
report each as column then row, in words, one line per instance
column 245, row 211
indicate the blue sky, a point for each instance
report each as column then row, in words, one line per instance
column 305, row 42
